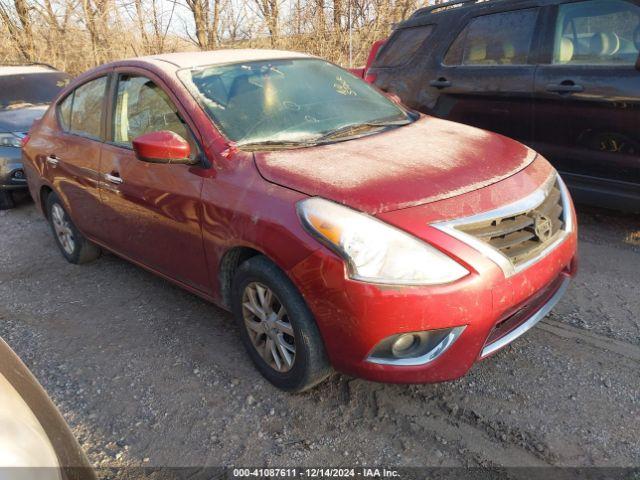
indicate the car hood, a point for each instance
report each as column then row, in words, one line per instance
column 428, row 160
column 20, row 119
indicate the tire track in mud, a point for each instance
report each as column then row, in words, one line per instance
column 495, row 434
column 475, row 439
column 595, row 340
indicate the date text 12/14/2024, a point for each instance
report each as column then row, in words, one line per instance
column 316, row 472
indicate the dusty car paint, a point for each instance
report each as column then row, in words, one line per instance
column 388, row 171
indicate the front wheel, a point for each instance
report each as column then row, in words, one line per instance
column 74, row 247
column 277, row 328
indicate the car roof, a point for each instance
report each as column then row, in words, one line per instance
column 223, row 56
column 23, row 69
column 458, row 7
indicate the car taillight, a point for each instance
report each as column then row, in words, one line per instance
column 25, row 140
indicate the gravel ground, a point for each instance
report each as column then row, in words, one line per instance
column 148, row 374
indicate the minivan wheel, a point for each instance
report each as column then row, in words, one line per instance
column 74, row 247
column 277, row 328
column 6, row 200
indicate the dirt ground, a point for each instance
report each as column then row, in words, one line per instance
column 148, row 374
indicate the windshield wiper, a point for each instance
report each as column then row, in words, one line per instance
column 272, row 144
column 338, row 132
column 357, row 127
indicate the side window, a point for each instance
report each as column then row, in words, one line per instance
column 496, row 39
column 64, row 112
column 86, row 108
column 402, row 46
column 143, row 107
column 597, row 32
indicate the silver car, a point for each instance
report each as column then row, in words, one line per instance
column 25, row 94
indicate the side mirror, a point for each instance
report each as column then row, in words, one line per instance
column 162, row 147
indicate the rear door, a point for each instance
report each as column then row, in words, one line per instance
column 73, row 152
column 486, row 76
column 152, row 211
column 587, row 95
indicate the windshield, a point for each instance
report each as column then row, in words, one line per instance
column 24, row 90
column 296, row 101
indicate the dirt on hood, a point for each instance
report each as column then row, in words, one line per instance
column 428, row 160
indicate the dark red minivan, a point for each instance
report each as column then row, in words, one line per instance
column 341, row 229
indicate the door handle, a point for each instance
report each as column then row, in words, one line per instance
column 117, row 179
column 53, row 160
column 440, row 83
column 568, row 86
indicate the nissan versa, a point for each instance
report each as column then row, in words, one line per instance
column 341, row 229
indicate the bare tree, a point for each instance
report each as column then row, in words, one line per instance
column 17, row 19
column 233, row 22
column 77, row 34
column 269, row 10
column 96, row 19
column 206, row 18
column 337, row 15
column 320, row 16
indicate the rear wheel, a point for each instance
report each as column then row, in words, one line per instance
column 6, row 200
column 74, row 247
column 277, row 328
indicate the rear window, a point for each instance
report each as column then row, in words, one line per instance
column 25, row 89
column 402, row 45
column 81, row 111
column 496, row 39
column 597, row 32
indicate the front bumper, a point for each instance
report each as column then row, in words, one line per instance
column 354, row 317
column 12, row 175
column 526, row 316
column 494, row 307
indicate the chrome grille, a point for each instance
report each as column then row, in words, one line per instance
column 522, row 236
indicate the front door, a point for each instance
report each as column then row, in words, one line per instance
column 152, row 211
column 587, row 96
column 486, row 76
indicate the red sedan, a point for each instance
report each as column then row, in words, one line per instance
column 342, row 229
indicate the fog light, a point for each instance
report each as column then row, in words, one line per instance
column 404, row 344
column 415, row 348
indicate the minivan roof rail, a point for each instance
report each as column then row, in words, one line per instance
column 441, row 7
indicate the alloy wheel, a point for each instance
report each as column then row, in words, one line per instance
column 62, row 229
column 268, row 325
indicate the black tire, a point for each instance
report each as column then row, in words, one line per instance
column 83, row 250
column 6, row 200
column 310, row 363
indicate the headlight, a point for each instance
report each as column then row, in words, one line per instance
column 10, row 140
column 375, row 251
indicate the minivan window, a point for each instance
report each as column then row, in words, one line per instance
column 143, row 107
column 402, row 45
column 496, row 39
column 597, row 32
column 86, row 108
